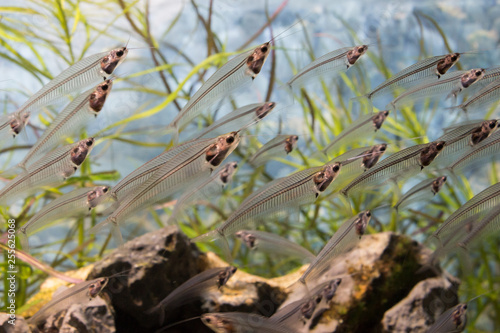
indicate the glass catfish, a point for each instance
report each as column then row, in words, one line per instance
column 240, row 118
column 51, row 169
column 433, row 66
column 75, row 203
column 86, row 72
column 281, row 144
column 187, row 167
column 283, row 194
column 334, row 62
column 232, row 75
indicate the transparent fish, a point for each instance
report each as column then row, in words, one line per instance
column 192, row 289
column 280, row 144
column 298, row 313
column 241, row 322
column 88, row 71
column 336, row 61
column 51, row 169
column 69, row 121
column 140, row 175
column 462, row 138
column 327, row 290
column 344, row 239
column 209, row 188
column 13, row 123
column 424, row 190
column 238, row 119
column 233, row 75
column 183, row 169
column 74, row 203
column 437, row 65
column 482, row 99
column 273, row 244
column 485, row 149
column 81, row 293
column 453, row 83
column 481, row 228
column 400, row 165
column 482, row 202
column 361, row 128
column 452, row 320
column 283, row 194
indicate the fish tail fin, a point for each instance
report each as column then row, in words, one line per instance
column 115, row 229
column 23, row 239
column 430, row 264
column 288, row 88
column 365, row 99
column 13, row 171
column 117, row 234
column 221, row 239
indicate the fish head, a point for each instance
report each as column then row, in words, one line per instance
column 361, row 222
column 257, row 59
column 373, row 155
column 471, row 77
column 98, row 96
column 379, row 118
column 322, row 179
column 356, row 52
column 95, row 196
column 249, row 239
column 113, row 59
column 330, row 289
column 459, row 316
column 264, row 110
column 437, row 184
column 228, row 171
column 223, row 146
column 446, row 63
column 225, row 275
column 81, row 150
column 291, row 143
column 429, row 153
column 96, row 287
column 218, row 323
column 19, row 121
column 483, row 131
column 307, row 309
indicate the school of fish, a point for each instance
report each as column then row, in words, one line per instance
column 196, row 169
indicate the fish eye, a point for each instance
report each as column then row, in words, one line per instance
column 336, row 168
column 453, row 57
column 368, row 214
column 361, row 49
column 386, row 113
column 465, row 306
column 104, row 87
column 478, row 73
column 208, row 320
column 264, row 49
column 229, row 139
column 382, row 148
column 105, row 190
column 119, row 53
column 89, row 143
column 440, row 146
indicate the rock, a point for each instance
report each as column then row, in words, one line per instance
column 420, row 309
column 95, row 317
column 20, row 324
column 157, row 263
column 377, row 274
